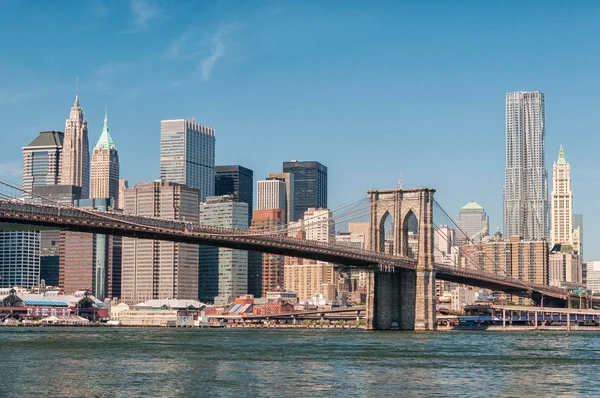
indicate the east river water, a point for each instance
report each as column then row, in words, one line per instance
column 122, row 362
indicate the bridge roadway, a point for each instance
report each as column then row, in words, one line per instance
column 15, row 211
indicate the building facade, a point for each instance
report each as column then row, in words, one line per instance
column 310, row 186
column 19, row 259
column 565, row 267
column 271, row 268
column 91, row 262
column 155, row 269
column 75, row 164
column 105, row 167
column 187, row 155
column 271, row 194
column 526, row 209
column 238, row 182
column 562, row 202
column 42, row 161
column 578, row 231
column 223, row 272
column 123, row 185
column 523, row 260
column 288, row 180
column 473, row 224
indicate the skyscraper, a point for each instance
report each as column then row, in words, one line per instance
column 105, row 167
column 91, row 261
column 562, row 202
column 19, row 258
column 223, row 272
column 268, row 275
column 288, row 179
column 42, row 161
column 75, row 165
column 310, row 186
column 187, row 155
column 526, row 180
column 237, row 181
column 473, row 222
column 270, row 194
column 155, row 269
column 578, row 227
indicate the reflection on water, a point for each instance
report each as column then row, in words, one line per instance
column 273, row 363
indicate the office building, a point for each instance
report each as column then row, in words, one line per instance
column 565, row 267
column 50, row 239
column 123, row 185
column 42, row 161
column 19, row 258
column 443, row 241
column 271, row 194
column 578, row 231
column 269, row 273
column 75, row 164
column 288, row 180
column 472, row 222
column 105, row 167
column 310, row 186
column 91, row 262
column 309, row 278
column 319, row 225
column 223, row 272
column 523, row 260
column 526, row 208
column 187, row 155
column 155, row 269
column 593, row 276
column 238, row 182
column 562, row 202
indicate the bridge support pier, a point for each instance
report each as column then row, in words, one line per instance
column 403, row 300
column 425, row 318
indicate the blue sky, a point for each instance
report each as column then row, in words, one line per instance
column 371, row 89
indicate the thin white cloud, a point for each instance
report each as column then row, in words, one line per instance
column 143, row 11
column 217, row 51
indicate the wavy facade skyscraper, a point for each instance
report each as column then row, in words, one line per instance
column 526, row 210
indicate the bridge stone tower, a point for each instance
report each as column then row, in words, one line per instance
column 403, row 299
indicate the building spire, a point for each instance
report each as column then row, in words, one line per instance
column 105, row 140
column 105, row 120
column 76, row 104
column 561, row 157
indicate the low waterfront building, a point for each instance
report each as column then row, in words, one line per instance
column 23, row 304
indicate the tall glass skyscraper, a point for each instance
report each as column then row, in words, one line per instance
column 526, row 210
column 310, row 186
column 187, row 155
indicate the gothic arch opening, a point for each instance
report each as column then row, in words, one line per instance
column 410, row 235
column 386, row 236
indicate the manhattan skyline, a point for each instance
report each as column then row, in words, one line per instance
column 356, row 89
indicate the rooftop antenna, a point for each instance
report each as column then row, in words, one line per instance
column 400, row 181
column 77, row 87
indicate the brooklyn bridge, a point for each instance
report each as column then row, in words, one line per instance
column 400, row 288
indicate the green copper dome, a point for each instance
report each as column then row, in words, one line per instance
column 105, row 141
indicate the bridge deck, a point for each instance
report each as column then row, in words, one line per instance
column 114, row 223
